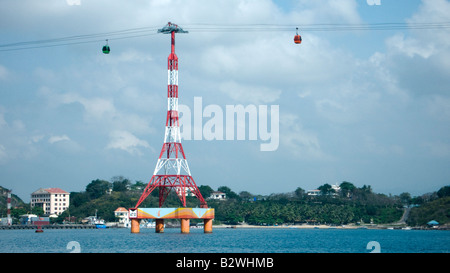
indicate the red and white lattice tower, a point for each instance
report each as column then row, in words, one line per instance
column 8, row 207
column 172, row 169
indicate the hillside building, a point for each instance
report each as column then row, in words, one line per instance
column 52, row 200
column 218, row 195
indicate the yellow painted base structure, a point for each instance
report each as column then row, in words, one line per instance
column 159, row 214
column 159, row 227
column 135, row 225
column 207, row 225
column 185, row 226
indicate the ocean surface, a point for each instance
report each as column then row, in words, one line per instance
column 224, row 240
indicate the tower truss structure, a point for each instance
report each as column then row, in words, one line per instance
column 8, row 207
column 172, row 169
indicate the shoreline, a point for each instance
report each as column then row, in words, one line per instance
column 306, row 226
column 289, row 226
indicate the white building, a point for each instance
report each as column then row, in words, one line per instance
column 218, row 195
column 52, row 200
column 336, row 188
column 313, row 192
column 122, row 214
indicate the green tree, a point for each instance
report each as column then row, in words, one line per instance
column 78, row 198
column 326, row 189
column 230, row 194
column 299, row 193
column 97, row 188
column 39, row 211
column 139, row 185
column 444, row 191
column 16, row 212
column 120, row 183
column 367, row 189
column 346, row 189
column 405, row 198
column 245, row 195
column 205, row 191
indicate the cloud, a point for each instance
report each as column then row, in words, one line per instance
column 64, row 144
column 418, row 59
column 242, row 93
column 126, row 141
column 96, row 108
column 300, row 142
column 409, row 46
column 15, row 140
column 102, row 113
column 329, row 11
column 335, row 104
column 54, row 139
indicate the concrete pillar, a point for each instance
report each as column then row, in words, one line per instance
column 159, row 226
column 207, row 225
column 135, row 225
column 184, row 225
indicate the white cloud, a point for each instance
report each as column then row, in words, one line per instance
column 418, row 59
column 102, row 112
column 15, row 140
column 96, row 108
column 36, row 138
column 410, row 47
column 241, row 93
column 333, row 98
column 54, row 139
column 302, row 143
column 329, row 11
column 126, row 141
column 64, row 144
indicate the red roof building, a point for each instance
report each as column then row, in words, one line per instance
column 52, row 200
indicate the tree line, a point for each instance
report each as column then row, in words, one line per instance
column 351, row 204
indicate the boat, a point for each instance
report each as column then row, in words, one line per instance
column 99, row 223
column 148, row 224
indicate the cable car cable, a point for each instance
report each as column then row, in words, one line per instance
column 204, row 27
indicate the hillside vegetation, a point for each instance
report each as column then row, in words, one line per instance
column 348, row 205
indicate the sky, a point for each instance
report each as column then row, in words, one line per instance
column 371, row 107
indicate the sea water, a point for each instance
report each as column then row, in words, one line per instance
column 222, row 240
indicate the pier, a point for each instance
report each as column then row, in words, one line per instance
column 48, row 227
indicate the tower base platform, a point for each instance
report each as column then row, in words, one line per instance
column 159, row 214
